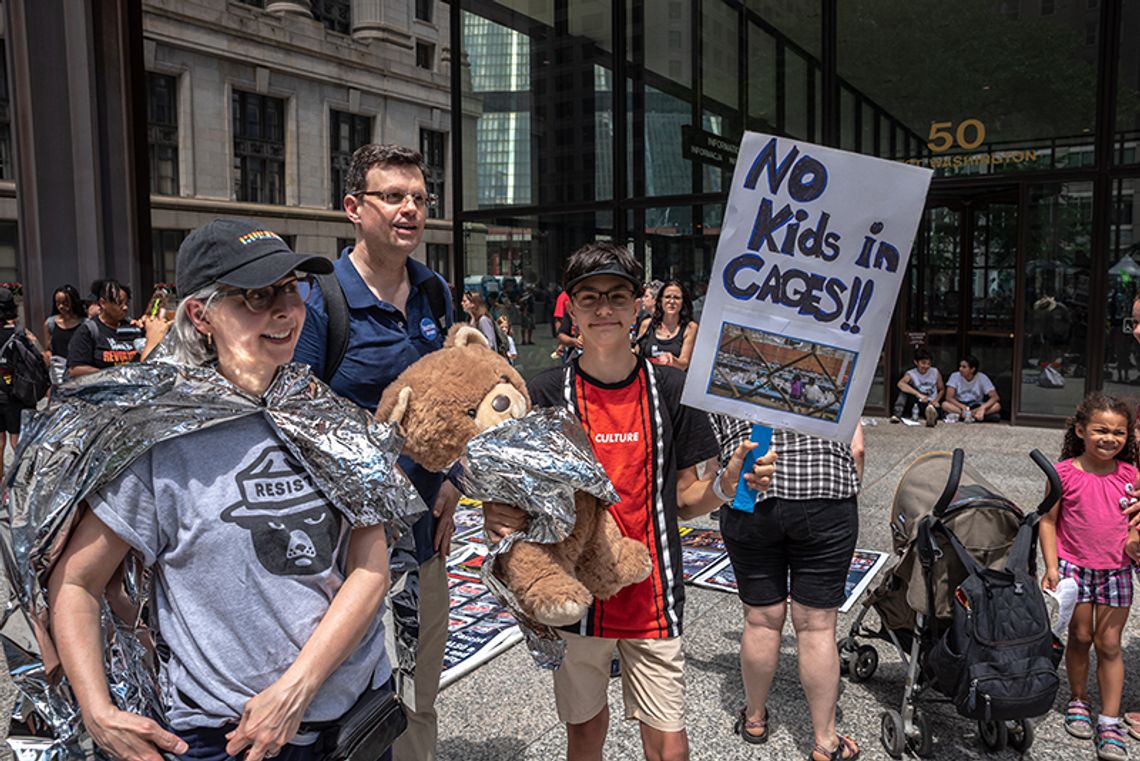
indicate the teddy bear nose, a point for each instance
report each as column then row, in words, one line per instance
column 500, row 403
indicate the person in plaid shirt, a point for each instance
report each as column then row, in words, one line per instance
column 805, row 525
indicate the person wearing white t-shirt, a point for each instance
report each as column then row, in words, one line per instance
column 970, row 393
column 922, row 386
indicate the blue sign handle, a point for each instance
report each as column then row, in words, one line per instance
column 745, row 495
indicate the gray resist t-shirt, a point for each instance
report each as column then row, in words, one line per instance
column 247, row 556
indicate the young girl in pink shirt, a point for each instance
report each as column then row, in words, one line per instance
column 1086, row 537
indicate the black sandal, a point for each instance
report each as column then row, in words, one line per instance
column 847, row 750
column 742, row 726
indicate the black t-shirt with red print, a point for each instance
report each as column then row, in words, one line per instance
column 97, row 344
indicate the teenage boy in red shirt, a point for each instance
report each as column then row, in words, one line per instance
column 650, row 445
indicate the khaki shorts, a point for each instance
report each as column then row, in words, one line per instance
column 652, row 680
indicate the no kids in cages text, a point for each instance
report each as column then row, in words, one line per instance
column 799, row 228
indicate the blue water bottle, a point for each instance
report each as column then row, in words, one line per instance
column 745, row 495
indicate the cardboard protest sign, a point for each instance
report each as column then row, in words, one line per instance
column 812, row 252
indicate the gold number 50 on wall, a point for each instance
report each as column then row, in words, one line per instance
column 940, row 138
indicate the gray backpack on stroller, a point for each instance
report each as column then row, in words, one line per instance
column 998, row 660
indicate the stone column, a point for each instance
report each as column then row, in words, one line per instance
column 384, row 20
column 78, row 95
column 289, row 8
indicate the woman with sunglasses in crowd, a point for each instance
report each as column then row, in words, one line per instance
column 267, row 593
column 668, row 338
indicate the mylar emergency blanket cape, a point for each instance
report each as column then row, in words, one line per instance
column 98, row 425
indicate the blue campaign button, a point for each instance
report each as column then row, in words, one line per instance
column 428, row 328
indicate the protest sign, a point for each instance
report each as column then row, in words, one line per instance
column 812, row 252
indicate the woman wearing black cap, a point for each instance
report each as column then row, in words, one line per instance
column 267, row 595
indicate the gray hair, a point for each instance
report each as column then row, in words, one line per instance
column 187, row 344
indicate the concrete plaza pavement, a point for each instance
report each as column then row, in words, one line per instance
column 505, row 710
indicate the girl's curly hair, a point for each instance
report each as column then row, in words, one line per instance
column 1074, row 445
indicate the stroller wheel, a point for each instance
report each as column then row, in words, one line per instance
column 1021, row 735
column 891, row 733
column 994, row 734
column 866, row 662
column 922, row 745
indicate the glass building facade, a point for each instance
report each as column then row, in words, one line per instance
column 616, row 119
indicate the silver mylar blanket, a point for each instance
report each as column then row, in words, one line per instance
column 536, row 463
column 97, row 426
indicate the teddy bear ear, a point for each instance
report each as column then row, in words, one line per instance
column 465, row 335
column 400, row 410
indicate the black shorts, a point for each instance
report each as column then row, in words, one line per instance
column 10, row 414
column 813, row 540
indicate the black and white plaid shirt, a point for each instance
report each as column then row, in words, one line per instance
column 807, row 467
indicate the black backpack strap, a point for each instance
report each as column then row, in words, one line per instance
column 1018, row 559
column 437, row 302
column 336, row 308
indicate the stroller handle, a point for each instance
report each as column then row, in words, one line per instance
column 1054, row 493
column 951, row 487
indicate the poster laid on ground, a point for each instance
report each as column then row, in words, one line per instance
column 865, row 565
column 479, row 628
column 812, row 252
column 701, row 548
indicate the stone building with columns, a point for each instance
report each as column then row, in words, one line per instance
column 254, row 106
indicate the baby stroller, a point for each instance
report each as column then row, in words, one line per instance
column 938, row 496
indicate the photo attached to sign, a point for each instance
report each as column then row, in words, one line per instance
column 781, row 373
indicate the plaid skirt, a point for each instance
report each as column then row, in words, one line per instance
column 1111, row 587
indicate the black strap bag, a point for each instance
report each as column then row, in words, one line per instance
column 30, row 378
column 367, row 730
column 998, row 660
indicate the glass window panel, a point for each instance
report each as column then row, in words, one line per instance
column 797, row 20
column 995, row 108
column 667, row 171
column 720, row 52
column 674, row 60
column 1128, row 86
column 848, row 117
column 1121, row 352
column 1055, row 342
column 761, row 79
column 796, row 101
column 537, row 85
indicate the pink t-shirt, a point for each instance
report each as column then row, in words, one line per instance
column 1091, row 527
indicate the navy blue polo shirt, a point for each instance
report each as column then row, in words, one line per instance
column 382, row 341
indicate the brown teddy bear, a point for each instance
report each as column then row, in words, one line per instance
column 448, row 397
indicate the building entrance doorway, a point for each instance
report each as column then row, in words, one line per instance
column 963, row 286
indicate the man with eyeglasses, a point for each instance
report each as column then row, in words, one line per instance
column 398, row 311
column 650, row 445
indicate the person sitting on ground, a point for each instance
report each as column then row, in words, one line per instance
column 971, row 394
column 922, row 386
column 668, row 338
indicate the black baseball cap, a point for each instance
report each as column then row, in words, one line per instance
column 614, row 269
column 6, row 297
column 241, row 253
